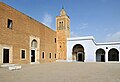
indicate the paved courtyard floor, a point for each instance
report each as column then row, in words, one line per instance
column 63, row 72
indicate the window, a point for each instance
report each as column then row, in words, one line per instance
column 10, row 23
column 62, row 23
column 50, row 56
column 60, row 46
column 55, row 40
column 34, row 44
column 22, row 54
column 43, row 56
column 55, row 56
column 59, row 23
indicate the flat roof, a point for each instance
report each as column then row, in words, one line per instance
column 108, row 43
column 81, row 38
column 91, row 38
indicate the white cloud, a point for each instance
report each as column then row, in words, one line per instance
column 73, row 34
column 47, row 20
column 113, row 37
column 83, row 26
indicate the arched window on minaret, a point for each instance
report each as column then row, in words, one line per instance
column 62, row 24
column 59, row 25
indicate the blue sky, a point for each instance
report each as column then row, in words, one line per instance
column 99, row 18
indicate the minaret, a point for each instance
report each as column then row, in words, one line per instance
column 63, row 32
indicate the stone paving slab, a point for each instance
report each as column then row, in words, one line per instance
column 63, row 72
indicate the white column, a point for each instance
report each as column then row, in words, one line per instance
column 106, row 56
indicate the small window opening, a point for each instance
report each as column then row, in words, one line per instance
column 59, row 24
column 10, row 23
column 106, row 47
column 23, row 54
column 50, row 56
column 60, row 46
column 55, row 56
column 62, row 23
column 55, row 40
column 43, row 56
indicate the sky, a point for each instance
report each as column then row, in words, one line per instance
column 98, row 18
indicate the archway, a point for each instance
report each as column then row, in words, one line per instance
column 78, row 52
column 100, row 55
column 33, row 50
column 34, row 44
column 113, row 55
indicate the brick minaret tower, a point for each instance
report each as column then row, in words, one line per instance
column 63, row 32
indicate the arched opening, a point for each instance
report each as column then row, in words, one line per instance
column 34, row 44
column 100, row 55
column 113, row 55
column 78, row 53
column 33, row 50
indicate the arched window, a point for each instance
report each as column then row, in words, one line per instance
column 62, row 23
column 34, row 44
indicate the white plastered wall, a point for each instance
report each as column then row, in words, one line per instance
column 106, row 48
column 90, row 48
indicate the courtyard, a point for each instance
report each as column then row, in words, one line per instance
column 63, row 72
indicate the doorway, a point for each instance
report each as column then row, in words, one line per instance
column 100, row 55
column 78, row 53
column 32, row 55
column 80, row 57
column 5, row 55
column 102, row 58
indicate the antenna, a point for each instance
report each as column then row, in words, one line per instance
column 62, row 6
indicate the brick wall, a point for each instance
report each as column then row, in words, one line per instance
column 19, row 36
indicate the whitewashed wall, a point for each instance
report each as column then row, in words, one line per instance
column 90, row 48
column 104, row 46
